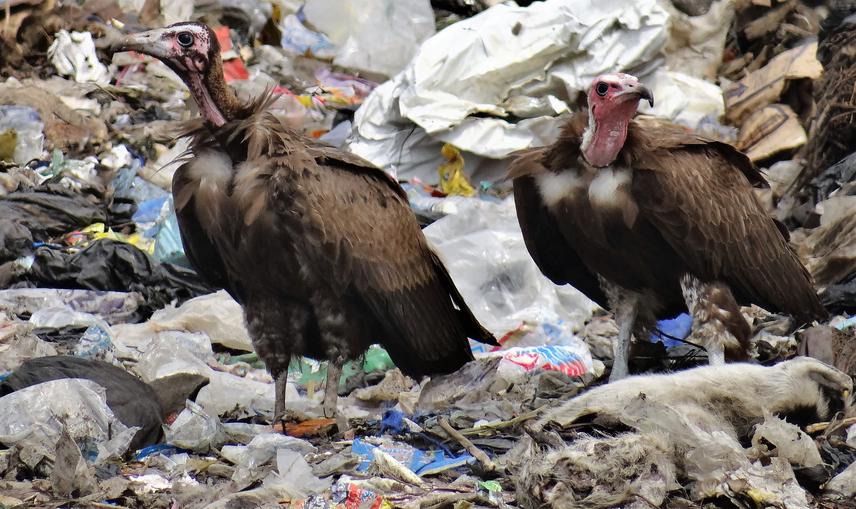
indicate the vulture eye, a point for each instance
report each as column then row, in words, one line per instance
column 185, row 39
column 601, row 89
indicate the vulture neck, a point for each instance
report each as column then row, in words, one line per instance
column 217, row 103
column 604, row 138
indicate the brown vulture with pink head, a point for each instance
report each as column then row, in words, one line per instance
column 320, row 247
column 650, row 220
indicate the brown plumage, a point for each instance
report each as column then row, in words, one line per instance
column 663, row 221
column 319, row 246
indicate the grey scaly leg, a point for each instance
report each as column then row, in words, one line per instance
column 331, row 391
column 625, row 316
column 279, row 397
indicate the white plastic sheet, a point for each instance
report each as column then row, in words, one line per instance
column 379, row 36
column 39, row 413
column 481, row 244
column 550, row 49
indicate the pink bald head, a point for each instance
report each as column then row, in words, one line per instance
column 612, row 101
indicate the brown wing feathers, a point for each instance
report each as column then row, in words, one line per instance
column 697, row 193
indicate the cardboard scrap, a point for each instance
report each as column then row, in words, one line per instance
column 769, row 131
column 765, row 85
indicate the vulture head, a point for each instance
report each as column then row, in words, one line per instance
column 612, row 102
column 191, row 50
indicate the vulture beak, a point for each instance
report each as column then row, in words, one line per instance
column 646, row 94
column 640, row 91
column 150, row 42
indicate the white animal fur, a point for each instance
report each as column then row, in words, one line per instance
column 689, row 423
column 750, row 390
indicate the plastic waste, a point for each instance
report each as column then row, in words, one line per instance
column 111, row 307
column 117, row 157
column 21, row 134
column 59, row 317
column 572, row 360
column 301, row 40
column 96, row 343
column 18, row 344
column 453, row 88
column 168, row 246
column 260, row 451
column 843, row 485
column 453, row 181
column 70, row 473
column 226, row 393
column 195, row 430
column 417, row 461
column 380, row 36
column 41, row 412
column 216, row 315
column 351, row 494
column 107, row 264
column 481, row 244
column 73, row 54
column 294, row 477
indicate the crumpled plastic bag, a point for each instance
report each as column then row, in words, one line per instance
column 216, row 314
column 196, row 430
column 73, row 54
column 113, row 307
column 550, row 49
column 380, row 36
column 111, row 265
column 40, row 412
column 418, row 462
column 27, row 127
column 482, row 246
column 261, row 450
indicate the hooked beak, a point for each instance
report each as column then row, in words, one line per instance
column 640, row 91
column 150, row 42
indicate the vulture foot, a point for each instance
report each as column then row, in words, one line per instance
column 331, row 390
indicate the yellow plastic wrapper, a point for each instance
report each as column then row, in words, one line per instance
column 97, row 231
column 452, row 178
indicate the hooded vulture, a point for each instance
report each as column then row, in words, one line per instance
column 649, row 220
column 319, row 247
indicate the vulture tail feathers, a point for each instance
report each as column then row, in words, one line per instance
column 420, row 334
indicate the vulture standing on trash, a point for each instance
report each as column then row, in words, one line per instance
column 320, row 247
column 649, row 219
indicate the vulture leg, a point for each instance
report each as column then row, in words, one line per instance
column 626, row 310
column 718, row 323
column 331, row 389
column 275, row 329
column 279, row 397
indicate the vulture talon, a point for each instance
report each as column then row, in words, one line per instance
column 319, row 247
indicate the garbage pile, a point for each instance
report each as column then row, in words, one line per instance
column 126, row 380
